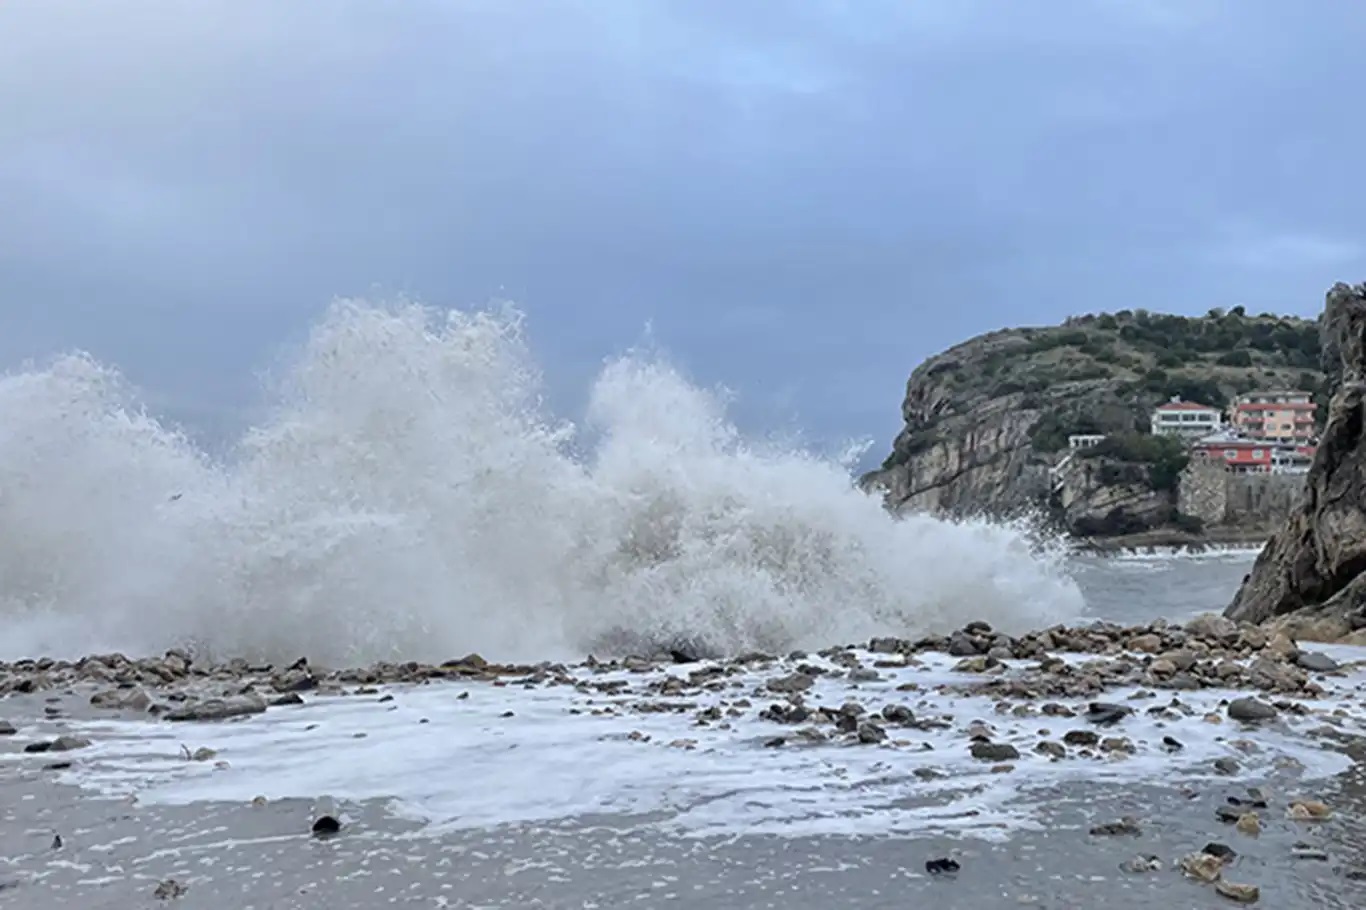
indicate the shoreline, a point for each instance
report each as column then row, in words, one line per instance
column 965, row 745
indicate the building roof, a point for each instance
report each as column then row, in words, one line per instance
column 1186, row 406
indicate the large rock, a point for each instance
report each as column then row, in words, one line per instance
column 1312, row 573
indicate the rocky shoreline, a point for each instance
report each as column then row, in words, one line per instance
column 1099, row 695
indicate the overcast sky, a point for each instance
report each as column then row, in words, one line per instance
column 803, row 198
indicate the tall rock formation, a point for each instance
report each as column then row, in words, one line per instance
column 1312, row 573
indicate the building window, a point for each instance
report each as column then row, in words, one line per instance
column 1230, row 454
column 1257, row 453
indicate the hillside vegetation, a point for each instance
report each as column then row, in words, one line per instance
column 1142, row 358
column 986, row 419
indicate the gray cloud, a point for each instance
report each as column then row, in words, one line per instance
column 804, row 199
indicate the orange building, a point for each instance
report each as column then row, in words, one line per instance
column 1277, row 416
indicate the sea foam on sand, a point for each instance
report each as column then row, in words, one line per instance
column 512, row 754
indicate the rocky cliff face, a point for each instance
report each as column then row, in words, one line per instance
column 986, row 422
column 1312, row 573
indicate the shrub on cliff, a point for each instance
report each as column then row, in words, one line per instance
column 1165, row 456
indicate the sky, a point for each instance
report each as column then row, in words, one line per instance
column 799, row 200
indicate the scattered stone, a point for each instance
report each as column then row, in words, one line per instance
column 1117, row 745
column 1250, row 710
column 864, row 675
column 775, row 743
column 1243, row 894
column 36, row 747
column 1228, row 766
column 1125, row 827
column 1227, row 816
column 941, row 866
column 1221, row 852
column 1172, row 744
column 1052, row 749
column 1315, row 662
column 1141, row 865
column 994, row 752
column 290, row 698
column 218, row 709
column 1148, row 644
column 58, row 766
column 1202, row 867
column 169, row 890
column 69, row 743
column 869, row 732
column 898, row 714
column 1249, row 823
column 7, row 728
column 1309, row 810
column 1103, row 714
column 56, row 842
column 325, row 826
column 1080, row 738
column 792, row 683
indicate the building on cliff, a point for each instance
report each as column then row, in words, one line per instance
column 1186, row 419
column 1239, row 455
column 1279, row 416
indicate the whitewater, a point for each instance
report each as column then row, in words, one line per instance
column 410, row 497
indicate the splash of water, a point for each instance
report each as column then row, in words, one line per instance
column 410, row 499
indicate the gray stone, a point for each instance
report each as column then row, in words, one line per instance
column 69, row 743
column 994, row 752
column 1315, row 662
column 218, row 709
column 869, row 732
column 794, row 682
column 1250, row 710
column 7, row 728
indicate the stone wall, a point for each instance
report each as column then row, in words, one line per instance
column 1218, row 497
column 1203, row 492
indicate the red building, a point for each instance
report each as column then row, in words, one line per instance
column 1249, row 456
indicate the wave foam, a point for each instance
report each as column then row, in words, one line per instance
column 410, row 498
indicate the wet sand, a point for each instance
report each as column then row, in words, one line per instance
column 1026, row 831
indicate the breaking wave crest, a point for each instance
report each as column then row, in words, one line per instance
column 409, row 498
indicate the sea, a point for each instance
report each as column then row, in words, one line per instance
column 410, row 497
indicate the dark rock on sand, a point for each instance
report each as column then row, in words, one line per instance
column 1315, row 662
column 869, row 732
column 7, row 728
column 219, row 708
column 1103, row 714
column 40, row 746
column 994, row 752
column 1080, row 738
column 941, row 866
column 1250, row 710
column 1221, row 852
column 1312, row 572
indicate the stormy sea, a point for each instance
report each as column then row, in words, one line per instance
column 415, row 641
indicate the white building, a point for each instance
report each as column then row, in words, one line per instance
column 1085, row 440
column 1186, row 419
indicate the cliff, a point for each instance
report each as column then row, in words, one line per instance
column 1312, row 573
column 986, row 422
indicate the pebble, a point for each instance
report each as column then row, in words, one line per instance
column 1308, row 810
column 1243, row 894
column 7, row 728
